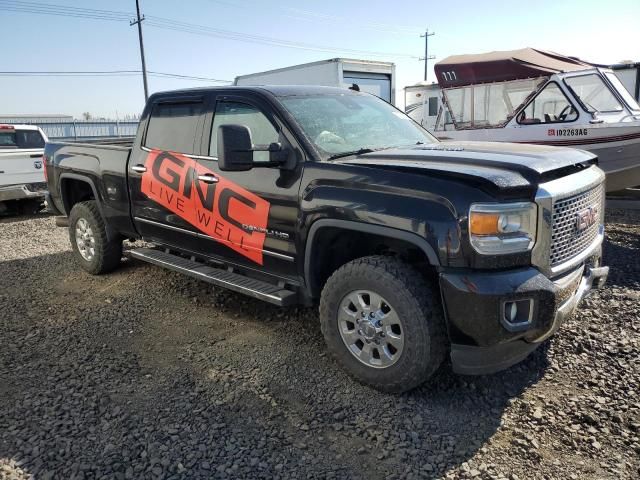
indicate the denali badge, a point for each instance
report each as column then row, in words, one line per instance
column 587, row 217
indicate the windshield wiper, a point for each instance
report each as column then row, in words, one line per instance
column 354, row 152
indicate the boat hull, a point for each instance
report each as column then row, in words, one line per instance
column 617, row 146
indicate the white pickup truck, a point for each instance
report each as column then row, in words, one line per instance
column 22, row 174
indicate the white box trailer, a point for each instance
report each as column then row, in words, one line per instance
column 371, row 76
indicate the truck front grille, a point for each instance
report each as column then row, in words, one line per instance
column 570, row 236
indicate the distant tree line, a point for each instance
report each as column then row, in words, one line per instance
column 129, row 117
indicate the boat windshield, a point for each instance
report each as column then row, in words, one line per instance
column 340, row 124
column 622, row 90
column 489, row 104
column 593, row 93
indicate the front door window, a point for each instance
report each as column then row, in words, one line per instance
column 234, row 113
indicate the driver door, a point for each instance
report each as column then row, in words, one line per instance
column 260, row 207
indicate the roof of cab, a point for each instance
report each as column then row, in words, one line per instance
column 276, row 90
column 19, row 126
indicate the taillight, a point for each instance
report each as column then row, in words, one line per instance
column 44, row 166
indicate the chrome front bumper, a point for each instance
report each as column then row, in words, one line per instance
column 594, row 278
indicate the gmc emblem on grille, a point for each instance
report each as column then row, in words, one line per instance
column 585, row 218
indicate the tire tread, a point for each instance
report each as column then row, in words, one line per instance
column 415, row 291
column 108, row 251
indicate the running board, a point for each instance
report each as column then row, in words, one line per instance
column 233, row 281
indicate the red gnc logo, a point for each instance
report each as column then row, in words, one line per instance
column 216, row 209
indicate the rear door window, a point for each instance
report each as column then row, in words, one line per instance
column 173, row 127
column 8, row 139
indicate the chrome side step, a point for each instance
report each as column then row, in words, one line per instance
column 233, row 281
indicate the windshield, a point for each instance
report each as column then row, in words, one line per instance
column 490, row 104
column 593, row 93
column 622, row 90
column 339, row 124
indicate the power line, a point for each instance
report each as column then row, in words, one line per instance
column 62, row 10
column 107, row 73
column 169, row 24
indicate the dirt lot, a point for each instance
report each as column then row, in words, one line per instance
column 147, row 374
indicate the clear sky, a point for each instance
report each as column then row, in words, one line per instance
column 603, row 31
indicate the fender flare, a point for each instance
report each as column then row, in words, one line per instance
column 382, row 231
column 83, row 178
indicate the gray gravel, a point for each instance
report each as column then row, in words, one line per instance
column 144, row 373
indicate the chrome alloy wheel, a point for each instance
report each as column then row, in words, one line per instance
column 85, row 240
column 370, row 328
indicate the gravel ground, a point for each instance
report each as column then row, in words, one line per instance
column 144, row 373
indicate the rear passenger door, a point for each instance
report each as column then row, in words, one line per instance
column 262, row 204
column 157, row 170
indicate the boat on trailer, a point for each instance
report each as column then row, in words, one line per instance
column 539, row 97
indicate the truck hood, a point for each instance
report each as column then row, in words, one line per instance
column 503, row 165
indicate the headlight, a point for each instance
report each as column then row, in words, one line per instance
column 498, row 228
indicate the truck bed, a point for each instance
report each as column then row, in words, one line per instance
column 104, row 167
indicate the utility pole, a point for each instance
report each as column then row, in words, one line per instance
column 426, row 57
column 144, row 65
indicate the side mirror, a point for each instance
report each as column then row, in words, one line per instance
column 235, row 148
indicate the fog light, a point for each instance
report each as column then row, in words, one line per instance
column 517, row 314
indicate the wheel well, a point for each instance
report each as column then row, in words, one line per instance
column 73, row 191
column 335, row 246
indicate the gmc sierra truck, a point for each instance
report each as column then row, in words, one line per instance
column 414, row 249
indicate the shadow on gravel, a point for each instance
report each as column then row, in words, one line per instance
column 12, row 218
column 623, row 260
column 146, row 374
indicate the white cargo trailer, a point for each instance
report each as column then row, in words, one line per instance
column 371, row 76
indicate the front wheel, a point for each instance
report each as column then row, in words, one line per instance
column 383, row 322
column 94, row 250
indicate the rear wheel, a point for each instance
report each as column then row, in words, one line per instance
column 91, row 245
column 383, row 322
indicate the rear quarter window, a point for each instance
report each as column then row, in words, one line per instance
column 21, row 139
column 173, row 126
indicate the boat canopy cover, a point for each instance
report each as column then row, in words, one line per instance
column 460, row 70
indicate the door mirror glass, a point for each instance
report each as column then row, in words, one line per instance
column 235, row 148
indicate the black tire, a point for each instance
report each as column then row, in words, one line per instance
column 108, row 252
column 415, row 302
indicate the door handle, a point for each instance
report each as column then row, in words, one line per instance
column 139, row 168
column 208, row 178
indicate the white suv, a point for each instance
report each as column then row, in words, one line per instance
column 22, row 176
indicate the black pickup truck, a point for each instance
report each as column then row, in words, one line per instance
column 414, row 249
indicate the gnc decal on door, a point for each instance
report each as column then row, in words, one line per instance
column 216, row 209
